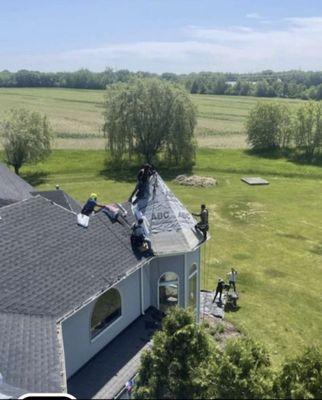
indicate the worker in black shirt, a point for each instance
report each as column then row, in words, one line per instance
column 219, row 289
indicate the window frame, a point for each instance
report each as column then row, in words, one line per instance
column 109, row 325
column 190, row 276
column 168, row 283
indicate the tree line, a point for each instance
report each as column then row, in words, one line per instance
column 288, row 84
column 271, row 126
column 185, row 363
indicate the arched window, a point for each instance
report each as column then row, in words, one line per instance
column 107, row 309
column 168, row 290
column 192, row 300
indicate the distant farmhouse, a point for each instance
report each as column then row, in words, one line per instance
column 67, row 293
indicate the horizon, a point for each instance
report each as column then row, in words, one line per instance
column 161, row 36
column 160, row 73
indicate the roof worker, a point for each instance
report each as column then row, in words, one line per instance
column 202, row 226
column 143, row 176
column 219, row 289
column 90, row 205
column 232, row 278
column 139, row 236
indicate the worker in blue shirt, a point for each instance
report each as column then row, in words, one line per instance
column 90, row 205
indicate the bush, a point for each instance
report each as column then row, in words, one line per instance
column 242, row 371
column 178, row 365
column 301, row 378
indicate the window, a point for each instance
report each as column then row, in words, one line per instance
column 168, row 290
column 107, row 309
column 192, row 300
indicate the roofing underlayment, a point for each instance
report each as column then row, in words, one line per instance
column 171, row 226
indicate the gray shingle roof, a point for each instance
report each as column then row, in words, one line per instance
column 12, row 187
column 30, row 356
column 50, row 265
column 61, row 198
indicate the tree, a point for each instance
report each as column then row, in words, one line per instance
column 308, row 128
column 148, row 116
column 242, row 371
column 26, row 137
column 268, row 126
column 178, row 365
column 301, row 378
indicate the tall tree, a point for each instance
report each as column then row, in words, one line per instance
column 178, row 366
column 308, row 128
column 148, row 116
column 268, row 126
column 26, row 137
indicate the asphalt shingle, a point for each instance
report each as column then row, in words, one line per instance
column 50, row 265
column 61, row 198
column 12, row 187
column 30, row 353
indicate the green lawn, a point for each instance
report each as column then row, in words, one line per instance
column 77, row 113
column 272, row 235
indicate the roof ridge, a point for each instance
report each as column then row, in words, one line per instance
column 15, row 203
column 54, row 203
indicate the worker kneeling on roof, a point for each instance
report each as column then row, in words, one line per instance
column 90, row 205
column 139, row 239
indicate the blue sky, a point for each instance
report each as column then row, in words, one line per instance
column 161, row 35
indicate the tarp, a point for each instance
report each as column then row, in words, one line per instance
column 169, row 224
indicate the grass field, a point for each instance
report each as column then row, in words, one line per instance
column 272, row 235
column 76, row 115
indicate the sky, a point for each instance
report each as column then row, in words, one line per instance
column 178, row 36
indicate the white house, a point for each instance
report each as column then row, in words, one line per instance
column 66, row 291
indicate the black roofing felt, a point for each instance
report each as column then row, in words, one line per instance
column 30, row 356
column 12, row 187
column 61, row 198
column 50, row 265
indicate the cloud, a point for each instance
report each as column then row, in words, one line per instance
column 253, row 15
column 295, row 44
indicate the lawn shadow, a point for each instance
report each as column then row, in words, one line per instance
column 35, row 178
column 292, row 155
column 317, row 249
column 127, row 171
column 229, row 308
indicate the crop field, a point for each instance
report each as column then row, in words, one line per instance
column 271, row 234
column 77, row 115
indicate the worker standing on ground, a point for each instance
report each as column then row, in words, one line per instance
column 219, row 289
column 232, row 277
column 202, row 226
column 90, row 205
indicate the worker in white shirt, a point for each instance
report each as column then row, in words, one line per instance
column 232, row 278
